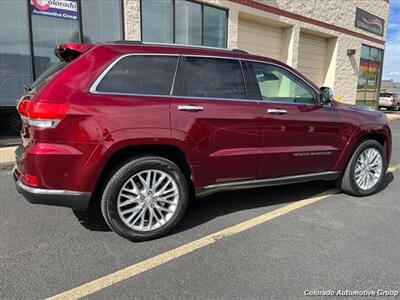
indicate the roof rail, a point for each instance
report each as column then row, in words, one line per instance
column 126, row 42
column 239, row 50
column 175, row 45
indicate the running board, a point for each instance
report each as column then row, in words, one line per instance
column 255, row 183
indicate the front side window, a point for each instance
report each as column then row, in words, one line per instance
column 210, row 78
column 278, row 85
column 140, row 74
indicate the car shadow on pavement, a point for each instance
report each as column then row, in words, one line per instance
column 203, row 210
column 92, row 219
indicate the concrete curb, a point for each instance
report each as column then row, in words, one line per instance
column 7, row 154
column 392, row 117
column 7, row 157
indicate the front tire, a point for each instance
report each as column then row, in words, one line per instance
column 145, row 198
column 365, row 169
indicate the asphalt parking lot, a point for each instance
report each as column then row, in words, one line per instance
column 336, row 243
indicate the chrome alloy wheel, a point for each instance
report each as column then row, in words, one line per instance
column 368, row 168
column 148, row 200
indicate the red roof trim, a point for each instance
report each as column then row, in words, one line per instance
column 281, row 12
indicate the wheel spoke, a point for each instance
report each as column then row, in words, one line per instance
column 163, row 209
column 167, row 201
column 158, row 193
column 155, row 186
column 135, row 212
column 127, row 202
column 142, row 219
column 151, row 213
column 138, row 216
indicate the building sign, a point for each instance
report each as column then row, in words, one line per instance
column 369, row 22
column 64, row 9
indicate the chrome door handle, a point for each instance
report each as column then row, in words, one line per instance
column 190, row 108
column 276, row 111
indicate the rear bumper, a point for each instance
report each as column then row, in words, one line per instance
column 72, row 199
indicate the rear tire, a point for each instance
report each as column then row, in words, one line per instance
column 135, row 207
column 364, row 161
column 398, row 106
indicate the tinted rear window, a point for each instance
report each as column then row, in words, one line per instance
column 140, row 74
column 210, row 78
column 386, row 95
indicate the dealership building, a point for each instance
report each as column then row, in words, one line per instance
column 335, row 43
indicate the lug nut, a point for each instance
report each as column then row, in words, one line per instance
column 152, row 205
column 144, row 206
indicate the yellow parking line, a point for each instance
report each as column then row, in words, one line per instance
column 148, row 264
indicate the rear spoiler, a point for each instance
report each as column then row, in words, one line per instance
column 68, row 52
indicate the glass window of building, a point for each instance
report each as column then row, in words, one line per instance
column 48, row 32
column 188, row 28
column 215, row 27
column 15, row 70
column 157, row 21
column 369, row 76
column 183, row 22
column 101, row 21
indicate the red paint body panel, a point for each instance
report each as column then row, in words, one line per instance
column 229, row 140
column 223, row 142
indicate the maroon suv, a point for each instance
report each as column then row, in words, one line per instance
column 136, row 128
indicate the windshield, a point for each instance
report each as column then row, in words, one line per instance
column 47, row 75
column 386, row 95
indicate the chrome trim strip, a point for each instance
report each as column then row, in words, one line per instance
column 254, row 183
column 37, row 191
column 93, row 88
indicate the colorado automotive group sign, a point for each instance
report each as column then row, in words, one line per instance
column 64, row 9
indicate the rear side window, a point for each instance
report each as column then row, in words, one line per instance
column 210, row 78
column 140, row 74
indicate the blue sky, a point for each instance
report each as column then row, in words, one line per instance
column 391, row 64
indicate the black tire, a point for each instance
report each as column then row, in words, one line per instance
column 125, row 171
column 348, row 183
column 398, row 106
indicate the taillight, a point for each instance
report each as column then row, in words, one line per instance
column 42, row 114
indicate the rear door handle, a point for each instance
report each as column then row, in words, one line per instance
column 276, row 111
column 193, row 108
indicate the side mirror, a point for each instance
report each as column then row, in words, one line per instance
column 326, row 95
